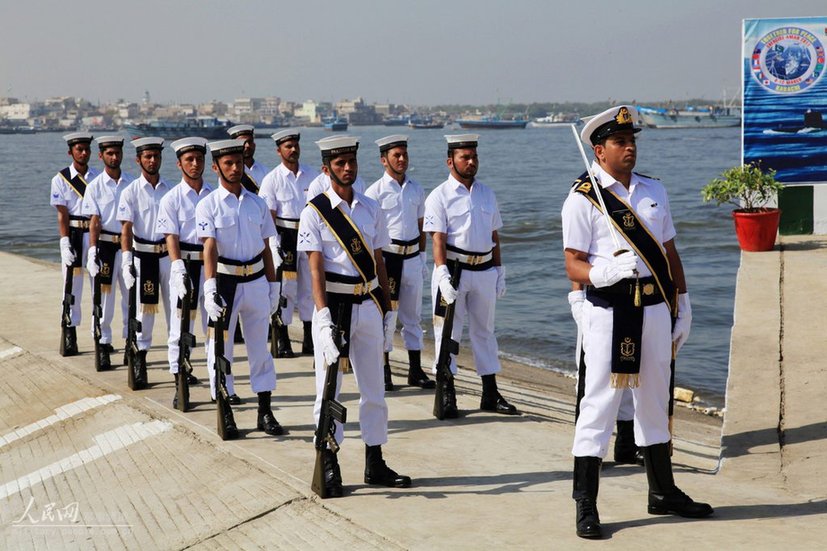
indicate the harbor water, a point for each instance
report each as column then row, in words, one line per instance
column 531, row 172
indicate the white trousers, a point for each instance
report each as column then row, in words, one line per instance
column 147, row 319
column 175, row 324
column 298, row 293
column 626, row 412
column 252, row 304
column 77, row 282
column 477, row 298
column 108, row 301
column 600, row 403
column 410, row 303
column 366, row 358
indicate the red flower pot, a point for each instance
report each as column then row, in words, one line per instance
column 756, row 230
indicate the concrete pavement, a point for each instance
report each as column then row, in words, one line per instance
column 87, row 463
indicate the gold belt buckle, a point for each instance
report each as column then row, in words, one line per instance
column 473, row 260
column 358, row 288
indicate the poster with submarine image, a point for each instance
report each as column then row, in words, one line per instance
column 785, row 97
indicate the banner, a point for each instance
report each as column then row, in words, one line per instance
column 785, row 97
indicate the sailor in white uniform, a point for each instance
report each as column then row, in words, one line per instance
column 254, row 171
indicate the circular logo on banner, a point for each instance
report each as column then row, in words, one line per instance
column 788, row 60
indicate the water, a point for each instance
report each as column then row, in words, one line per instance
column 531, row 171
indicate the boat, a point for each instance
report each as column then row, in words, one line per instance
column 690, row 117
column 202, row 127
column 424, row 123
column 335, row 124
column 396, row 121
column 556, row 121
column 493, row 122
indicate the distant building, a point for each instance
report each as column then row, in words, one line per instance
column 16, row 112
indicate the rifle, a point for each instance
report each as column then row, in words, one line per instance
column 97, row 314
column 227, row 429
column 276, row 322
column 447, row 347
column 186, row 342
column 132, row 329
column 66, row 315
column 331, row 410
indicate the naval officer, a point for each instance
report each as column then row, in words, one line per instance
column 462, row 216
column 254, row 171
column 285, row 191
column 67, row 191
column 632, row 318
column 100, row 204
column 403, row 203
column 235, row 224
column 176, row 220
column 343, row 233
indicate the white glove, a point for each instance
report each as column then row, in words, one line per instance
column 177, row 278
column 576, row 299
column 389, row 324
column 92, row 261
column 274, row 251
column 275, row 291
column 213, row 303
column 619, row 267
column 324, row 325
column 425, row 271
column 681, row 331
column 126, row 270
column 443, row 277
column 500, row 281
column 67, row 257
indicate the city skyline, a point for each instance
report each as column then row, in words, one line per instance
column 430, row 53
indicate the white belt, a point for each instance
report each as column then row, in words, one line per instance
column 289, row 224
column 351, row 288
column 109, row 238
column 404, row 250
column 83, row 224
column 192, row 255
column 156, row 248
column 470, row 259
column 240, row 271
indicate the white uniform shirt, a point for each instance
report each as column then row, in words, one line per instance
column 62, row 194
column 102, row 198
column 585, row 230
column 322, row 184
column 176, row 214
column 239, row 224
column 314, row 235
column 403, row 205
column 468, row 217
column 286, row 192
column 257, row 172
column 139, row 204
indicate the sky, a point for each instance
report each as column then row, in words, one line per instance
column 421, row 52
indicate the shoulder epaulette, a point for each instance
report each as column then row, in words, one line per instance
column 645, row 176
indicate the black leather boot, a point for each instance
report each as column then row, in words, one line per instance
column 332, row 474
column 140, row 371
column 664, row 497
column 379, row 474
column 388, row 379
column 626, row 452
column 586, row 484
column 307, row 341
column 266, row 420
column 417, row 377
column 285, row 348
column 492, row 400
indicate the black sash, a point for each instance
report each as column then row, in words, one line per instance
column 78, row 184
column 288, row 237
column 149, row 285
column 227, row 284
column 393, row 266
column 439, row 303
column 351, row 240
column 106, row 257
column 76, row 240
column 194, row 273
column 627, row 326
column 249, row 184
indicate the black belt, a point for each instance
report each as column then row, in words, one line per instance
column 624, row 290
column 194, row 252
column 470, row 260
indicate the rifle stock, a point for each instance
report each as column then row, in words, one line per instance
column 186, row 342
column 66, row 312
column 276, row 321
column 331, row 411
column 226, row 423
column 447, row 347
column 132, row 330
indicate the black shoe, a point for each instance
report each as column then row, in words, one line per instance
column 588, row 519
column 141, row 380
column 664, row 497
column 267, row 422
column 231, row 429
column 377, row 473
column 497, row 404
column 234, row 400
column 192, row 379
column 625, row 450
column 109, row 348
column 332, row 475
column 417, row 377
column 586, row 485
column 307, row 341
column 285, row 348
column 389, row 387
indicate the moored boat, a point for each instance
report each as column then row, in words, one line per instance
column 690, row 117
column 494, row 122
column 203, row 127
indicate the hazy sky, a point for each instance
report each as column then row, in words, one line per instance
column 419, row 52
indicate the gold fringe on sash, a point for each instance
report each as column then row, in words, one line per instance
column 192, row 314
column 288, row 275
column 394, row 305
column 149, row 308
column 345, row 363
column 625, row 380
column 106, row 289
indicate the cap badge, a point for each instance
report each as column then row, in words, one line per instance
column 623, row 116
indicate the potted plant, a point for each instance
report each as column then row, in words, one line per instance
column 749, row 189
